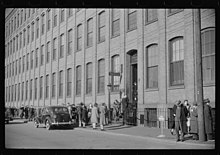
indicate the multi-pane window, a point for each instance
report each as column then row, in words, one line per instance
column 48, row 52
column 101, row 76
column 23, row 68
column 61, row 46
column 13, row 44
column 47, row 86
column 27, row 62
column 70, row 12
column 101, row 27
column 42, row 24
column 55, row 20
column 69, row 82
column 33, row 11
column 70, row 42
column 9, row 92
column 48, row 20
column 53, row 84
column 32, row 32
column 21, row 16
column 12, row 89
column 89, row 32
column 115, row 22
column 36, row 58
column 29, row 13
column 41, row 87
column 89, row 78
column 61, row 84
column 28, row 34
column 16, row 43
column 25, row 15
column 20, row 40
column 18, row 21
column 16, row 66
column 31, row 83
column 78, row 80
column 132, row 19
column 42, row 55
column 15, row 23
column 26, row 89
column 19, row 69
column 62, row 15
column 152, row 66
column 22, row 91
column 19, row 86
column 208, row 55
column 35, row 89
column 151, row 15
column 15, row 96
column 12, row 68
column 32, row 59
column 79, row 37
column 37, row 28
column 176, row 61
column 54, row 48
column 115, row 69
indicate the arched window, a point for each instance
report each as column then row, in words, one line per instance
column 208, row 55
column 79, row 37
column 89, row 78
column 61, row 84
column 176, row 61
column 101, row 27
column 152, row 66
column 69, row 82
column 115, row 69
column 78, row 80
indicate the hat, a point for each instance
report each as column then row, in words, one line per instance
column 206, row 100
column 178, row 102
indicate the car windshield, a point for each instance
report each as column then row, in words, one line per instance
column 60, row 110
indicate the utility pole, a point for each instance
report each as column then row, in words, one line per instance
column 199, row 81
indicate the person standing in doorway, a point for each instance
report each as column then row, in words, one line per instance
column 94, row 116
column 208, row 119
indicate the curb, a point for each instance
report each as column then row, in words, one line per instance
column 145, row 137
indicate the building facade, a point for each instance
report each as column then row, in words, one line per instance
column 55, row 56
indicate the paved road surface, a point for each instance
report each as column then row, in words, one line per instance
column 25, row 135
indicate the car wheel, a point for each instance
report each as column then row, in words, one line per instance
column 36, row 124
column 48, row 126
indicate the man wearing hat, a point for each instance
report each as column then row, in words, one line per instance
column 208, row 119
column 180, row 121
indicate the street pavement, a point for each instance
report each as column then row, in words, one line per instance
column 116, row 136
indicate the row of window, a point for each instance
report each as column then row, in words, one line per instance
column 151, row 15
column 176, row 67
column 18, row 19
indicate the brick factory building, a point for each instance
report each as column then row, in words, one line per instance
column 55, row 56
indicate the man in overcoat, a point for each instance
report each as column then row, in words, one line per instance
column 79, row 112
column 102, row 111
column 173, row 117
column 124, row 106
column 194, row 121
column 84, row 115
column 208, row 119
column 180, row 121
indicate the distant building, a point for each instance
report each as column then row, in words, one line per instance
column 66, row 56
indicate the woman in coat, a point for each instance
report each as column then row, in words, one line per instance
column 102, row 111
column 208, row 119
column 84, row 115
column 94, row 116
column 173, row 118
column 194, row 121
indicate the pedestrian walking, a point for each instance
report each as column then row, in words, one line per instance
column 74, row 112
column 89, row 113
column 84, row 115
column 102, row 112
column 194, row 121
column 208, row 119
column 173, row 118
column 94, row 116
column 106, row 115
column 69, row 109
column 180, row 121
column 187, row 105
column 124, row 106
column 79, row 112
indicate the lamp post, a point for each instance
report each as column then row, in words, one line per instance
column 109, row 101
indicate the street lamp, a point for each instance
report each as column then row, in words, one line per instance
column 109, row 100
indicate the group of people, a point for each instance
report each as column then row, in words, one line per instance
column 27, row 112
column 93, row 114
column 185, row 119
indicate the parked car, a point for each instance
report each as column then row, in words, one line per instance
column 8, row 115
column 52, row 116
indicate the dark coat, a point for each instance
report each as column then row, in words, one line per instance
column 194, row 120
column 208, row 119
column 124, row 103
column 180, row 119
column 84, row 114
column 79, row 112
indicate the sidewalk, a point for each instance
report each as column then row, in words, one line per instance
column 145, row 132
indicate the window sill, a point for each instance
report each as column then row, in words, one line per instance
column 114, row 36
column 129, row 30
column 176, row 87
column 88, row 46
column 101, row 41
column 175, row 12
column 209, row 84
column 151, row 89
column 151, row 21
column 79, row 50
